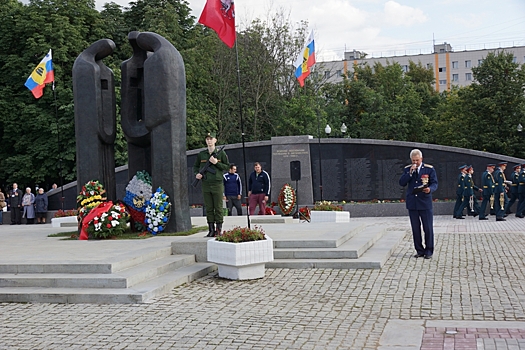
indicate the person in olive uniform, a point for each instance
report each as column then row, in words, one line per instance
column 514, row 187
column 487, row 182
column 212, row 184
column 500, row 194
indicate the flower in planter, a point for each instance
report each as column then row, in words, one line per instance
column 286, row 199
column 158, row 211
column 242, row 234
column 63, row 213
column 327, row 206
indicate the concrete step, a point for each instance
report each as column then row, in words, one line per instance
column 351, row 249
column 316, row 235
column 373, row 258
column 118, row 263
column 123, row 279
column 139, row 293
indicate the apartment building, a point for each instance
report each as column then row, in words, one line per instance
column 450, row 67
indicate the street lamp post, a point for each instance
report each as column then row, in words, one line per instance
column 327, row 130
column 343, row 129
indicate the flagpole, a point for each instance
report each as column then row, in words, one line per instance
column 242, row 134
column 58, row 149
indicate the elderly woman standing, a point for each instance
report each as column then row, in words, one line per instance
column 28, row 203
column 41, row 206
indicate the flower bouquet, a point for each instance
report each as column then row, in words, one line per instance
column 138, row 191
column 91, row 195
column 158, row 210
column 242, row 234
column 111, row 221
column 286, row 199
column 304, row 214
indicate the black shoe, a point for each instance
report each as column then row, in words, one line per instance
column 501, row 219
column 518, row 216
column 483, row 218
column 211, row 230
column 428, row 257
column 460, row 217
column 418, row 255
column 13, row 223
column 218, row 232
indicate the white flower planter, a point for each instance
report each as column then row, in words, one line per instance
column 240, row 261
column 329, row 216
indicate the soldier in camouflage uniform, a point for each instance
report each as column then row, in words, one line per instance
column 212, row 183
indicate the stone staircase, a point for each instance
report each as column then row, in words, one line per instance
column 354, row 247
column 136, row 278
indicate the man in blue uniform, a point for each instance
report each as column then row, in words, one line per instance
column 520, row 210
column 421, row 181
column 473, row 208
column 515, row 178
column 460, row 205
column 487, row 184
column 500, row 194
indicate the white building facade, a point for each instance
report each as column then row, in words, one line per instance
column 450, row 67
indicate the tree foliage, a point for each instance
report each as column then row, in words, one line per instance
column 380, row 101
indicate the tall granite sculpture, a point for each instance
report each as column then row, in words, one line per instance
column 154, row 119
column 95, row 117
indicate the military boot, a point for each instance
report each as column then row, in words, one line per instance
column 211, row 229
column 219, row 229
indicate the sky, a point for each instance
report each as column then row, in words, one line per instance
column 383, row 28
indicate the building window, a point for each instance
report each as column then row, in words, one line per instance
column 429, row 65
column 339, row 73
column 468, row 76
column 514, row 59
column 480, row 62
column 455, row 77
column 327, row 74
column 455, row 64
column 442, row 82
column 404, row 68
column 442, row 69
column 468, row 64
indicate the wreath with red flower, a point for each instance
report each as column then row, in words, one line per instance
column 286, row 199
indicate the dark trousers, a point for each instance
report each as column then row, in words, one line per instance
column 459, row 200
column 521, row 204
column 233, row 201
column 463, row 204
column 16, row 215
column 423, row 218
column 483, row 209
column 513, row 198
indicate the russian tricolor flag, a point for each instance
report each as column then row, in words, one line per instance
column 305, row 60
column 42, row 75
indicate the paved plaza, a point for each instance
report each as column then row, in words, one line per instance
column 471, row 295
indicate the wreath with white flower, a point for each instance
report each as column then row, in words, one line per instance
column 158, row 211
column 110, row 223
column 138, row 191
column 286, row 199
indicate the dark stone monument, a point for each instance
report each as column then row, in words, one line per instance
column 154, row 119
column 95, row 117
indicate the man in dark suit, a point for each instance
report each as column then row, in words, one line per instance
column 458, row 214
column 15, row 205
column 515, row 178
column 500, row 191
column 422, row 181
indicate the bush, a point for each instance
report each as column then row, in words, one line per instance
column 327, row 206
column 63, row 213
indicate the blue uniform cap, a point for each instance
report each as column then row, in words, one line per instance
column 491, row 165
column 462, row 167
column 517, row 166
column 502, row 163
column 468, row 167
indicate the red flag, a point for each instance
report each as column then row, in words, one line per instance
column 219, row 15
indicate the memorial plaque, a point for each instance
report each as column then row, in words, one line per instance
column 359, row 179
column 388, row 173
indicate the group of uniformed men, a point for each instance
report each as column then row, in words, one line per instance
column 494, row 189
